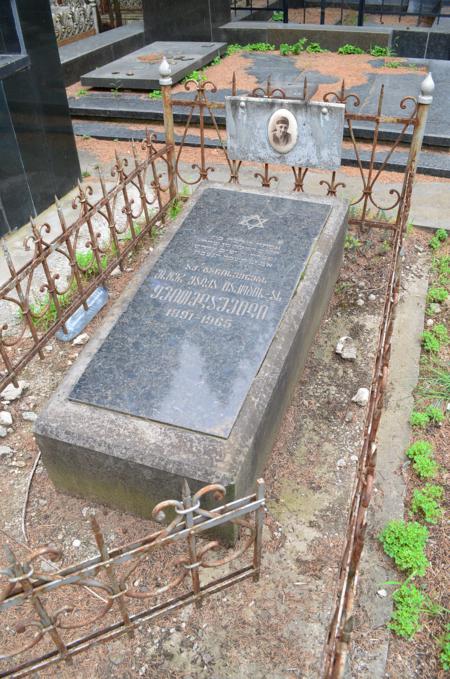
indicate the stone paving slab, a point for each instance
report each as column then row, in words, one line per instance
column 435, row 164
column 284, row 73
column 140, row 69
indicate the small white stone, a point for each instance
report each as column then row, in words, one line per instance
column 361, row 397
column 354, row 458
column 341, row 463
column 430, row 322
column 3, row 432
column 372, row 297
column 5, row 450
column 382, row 593
column 76, row 543
column 11, row 393
column 5, row 418
column 115, row 272
column 48, row 348
column 346, row 348
column 29, row 416
column 81, row 339
column 360, row 302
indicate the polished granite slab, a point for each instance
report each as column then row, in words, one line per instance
column 187, row 348
column 140, row 69
column 258, row 350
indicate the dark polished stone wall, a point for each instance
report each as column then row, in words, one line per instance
column 35, row 103
column 185, row 19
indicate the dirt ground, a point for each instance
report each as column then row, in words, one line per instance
column 272, row 628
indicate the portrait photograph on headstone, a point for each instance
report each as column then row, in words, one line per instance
column 282, row 131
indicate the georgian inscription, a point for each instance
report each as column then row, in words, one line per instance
column 192, row 339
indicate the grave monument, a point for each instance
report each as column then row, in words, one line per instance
column 190, row 374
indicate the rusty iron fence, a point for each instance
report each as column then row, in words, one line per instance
column 367, row 209
column 67, row 264
column 53, row 621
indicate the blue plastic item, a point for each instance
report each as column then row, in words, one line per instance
column 79, row 320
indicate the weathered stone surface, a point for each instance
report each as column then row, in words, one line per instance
column 132, row 462
column 140, row 69
column 201, row 323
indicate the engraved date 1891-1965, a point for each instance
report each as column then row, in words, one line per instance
column 206, row 319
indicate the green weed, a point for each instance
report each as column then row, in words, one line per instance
column 82, row 92
column 216, row 60
column 155, row 94
column 175, row 208
column 408, row 602
column 440, row 332
column 87, row 263
column 350, row 49
column 445, row 653
column 233, row 49
column 419, row 420
column 439, row 237
column 351, row 242
column 437, row 294
column 197, row 76
column 435, row 415
column 378, row 51
column 85, row 173
column 314, row 47
column 43, row 309
column 427, row 500
column 421, row 454
column 394, row 64
column 430, row 342
column 277, row 16
column 436, row 383
column 296, row 48
column 251, row 47
column 441, row 266
column 405, row 543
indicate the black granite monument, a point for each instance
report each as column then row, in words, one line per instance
column 39, row 156
column 185, row 19
column 192, row 370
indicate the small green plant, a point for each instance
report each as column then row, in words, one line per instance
column 440, row 331
column 197, row 76
column 82, row 92
column 445, row 652
column 418, row 419
column 405, row 543
column 115, row 91
column 430, row 342
column 314, row 47
column 427, row 500
column 378, row 51
column 394, row 64
column 350, row 49
column 85, row 173
column 409, row 603
column 435, row 415
column 259, row 47
column 233, row 49
column 386, row 246
column 437, row 294
column 421, row 454
column 439, row 237
column 155, row 94
column 441, row 266
column 296, row 48
column 436, row 384
column 277, row 16
column 351, row 242
column 216, row 60
column 43, row 309
column 87, row 263
column 175, row 208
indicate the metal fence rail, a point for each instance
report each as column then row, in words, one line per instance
column 67, row 268
column 350, row 12
column 109, row 577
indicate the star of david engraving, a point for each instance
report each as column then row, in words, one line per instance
column 253, row 222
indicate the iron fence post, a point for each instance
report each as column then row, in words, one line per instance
column 165, row 82
column 259, row 523
column 424, row 100
column 285, row 11
column 192, row 546
column 361, row 8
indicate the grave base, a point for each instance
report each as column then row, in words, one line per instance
column 132, row 463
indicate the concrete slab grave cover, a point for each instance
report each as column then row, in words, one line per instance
column 285, row 131
column 191, row 372
column 140, row 69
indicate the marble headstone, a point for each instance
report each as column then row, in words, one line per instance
column 285, row 131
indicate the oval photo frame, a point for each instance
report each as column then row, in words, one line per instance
column 282, row 131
